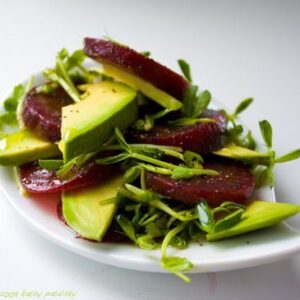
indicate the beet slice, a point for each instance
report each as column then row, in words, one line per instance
column 234, row 183
column 135, row 63
column 42, row 112
column 40, row 181
column 202, row 138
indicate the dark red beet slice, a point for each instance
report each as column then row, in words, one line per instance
column 202, row 138
column 42, row 112
column 235, row 183
column 137, row 64
column 37, row 180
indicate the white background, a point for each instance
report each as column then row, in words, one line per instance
column 236, row 48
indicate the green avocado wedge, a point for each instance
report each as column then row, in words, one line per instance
column 258, row 215
column 145, row 87
column 87, row 124
column 23, row 146
column 244, row 154
column 84, row 214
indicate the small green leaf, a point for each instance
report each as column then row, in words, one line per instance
column 229, row 221
column 243, row 106
column 192, row 159
column 9, row 118
column 146, row 242
column 185, row 69
column 177, row 265
column 67, row 171
column 295, row 154
column 186, row 173
column 182, row 173
column 132, row 174
column 154, row 230
column 146, row 53
column 11, row 103
column 249, row 141
column 205, row 216
column 178, row 242
column 75, row 59
column 62, row 54
column 266, row 132
column 189, row 99
column 126, row 226
column 51, row 164
column 201, row 103
column 194, row 232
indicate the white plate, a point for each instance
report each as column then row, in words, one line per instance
column 257, row 248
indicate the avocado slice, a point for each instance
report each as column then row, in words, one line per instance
column 145, row 87
column 87, row 124
column 84, row 214
column 23, row 146
column 259, row 214
column 244, row 154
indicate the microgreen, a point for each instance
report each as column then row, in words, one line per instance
column 268, row 174
column 228, row 221
column 175, row 265
column 13, row 104
column 205, row 216
column 194, row 102
column 126, row 226
column 236, row 130
column 146, row 242
column 266, row 132
column 148, row 122
column 67, row 170
column 146, row 53
column 153, row 157
column 69, row 70
column 185, row 69
column 51, row 164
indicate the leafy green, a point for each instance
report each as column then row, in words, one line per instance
column 13, row 104
column 205, row 216
column 295, row 154
column 185, row 69
column 195, row 103
column 266, row 132
column 68, row 71
column 146, row 53
column 126, row 226
column 67, row 170
column 229, row 221
column 235, row 130
column 51, row 164
column 177, row 265
column 146, row 242
column 243, row 105
column 152, row 156
column 192, row 159
column 148, row 122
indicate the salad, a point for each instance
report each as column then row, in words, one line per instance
column 138, row 153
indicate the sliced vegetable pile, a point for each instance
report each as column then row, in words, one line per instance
column 138, row 154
